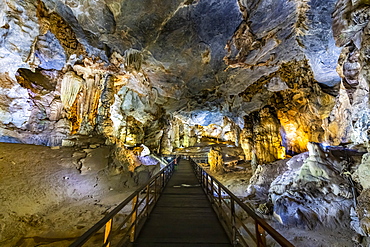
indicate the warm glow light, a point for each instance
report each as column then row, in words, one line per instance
column 282, row 153
column 290, row 132
column 294, row 138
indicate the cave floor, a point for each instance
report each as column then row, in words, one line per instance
column 46, row 201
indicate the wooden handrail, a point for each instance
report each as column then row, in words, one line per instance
column 106, row 221
column 207, row 180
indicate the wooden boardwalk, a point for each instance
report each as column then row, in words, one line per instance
column 183, row 216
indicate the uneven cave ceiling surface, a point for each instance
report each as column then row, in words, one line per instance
column 188, row 38
column 199, row 61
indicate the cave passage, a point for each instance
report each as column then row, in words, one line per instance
column 183, row 216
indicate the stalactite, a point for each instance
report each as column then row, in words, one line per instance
column 71, row 86
column 133, row 59
column 301, row 25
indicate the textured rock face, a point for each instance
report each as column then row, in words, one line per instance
column 310, row 190
column 215, row 160
column 98, row 81
column 318, row 41
column 351, row 29
column 283, row 54
column 262, row 138
column 278, row 31
column 122, row 71
column 360, row 215
column 301, row 113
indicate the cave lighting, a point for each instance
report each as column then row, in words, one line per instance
column 294, row 139
column 282, row 153
column 290, row 132
column 325, row 145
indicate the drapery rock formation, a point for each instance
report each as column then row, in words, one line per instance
column 261, row 137
column 313, row 190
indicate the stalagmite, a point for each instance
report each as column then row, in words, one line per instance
column 215, row 160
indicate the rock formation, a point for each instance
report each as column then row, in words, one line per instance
column 311, row 190
column 215, row 160
column 262, row 137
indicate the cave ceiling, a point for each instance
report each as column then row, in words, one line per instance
column 182, row 42
column 202, row 49
column 86, row 65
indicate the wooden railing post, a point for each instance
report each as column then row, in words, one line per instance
column 147, row 200
column 212, row 195
column 233, row 222
column 155, row 190
column 219, row 195
column 207, row 183
column 134, row 218
column 108, row 229
column 261, row 236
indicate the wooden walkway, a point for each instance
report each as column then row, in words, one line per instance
column 183, row 216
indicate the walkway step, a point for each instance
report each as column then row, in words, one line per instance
column 183, row 216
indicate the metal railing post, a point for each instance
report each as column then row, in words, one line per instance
column 163, row 181
column 207, row 183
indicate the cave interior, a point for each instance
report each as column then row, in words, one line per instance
column 272, row 94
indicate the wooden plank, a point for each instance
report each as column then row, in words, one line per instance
column 183, row 216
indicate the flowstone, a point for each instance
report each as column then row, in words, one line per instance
column 215, row 160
